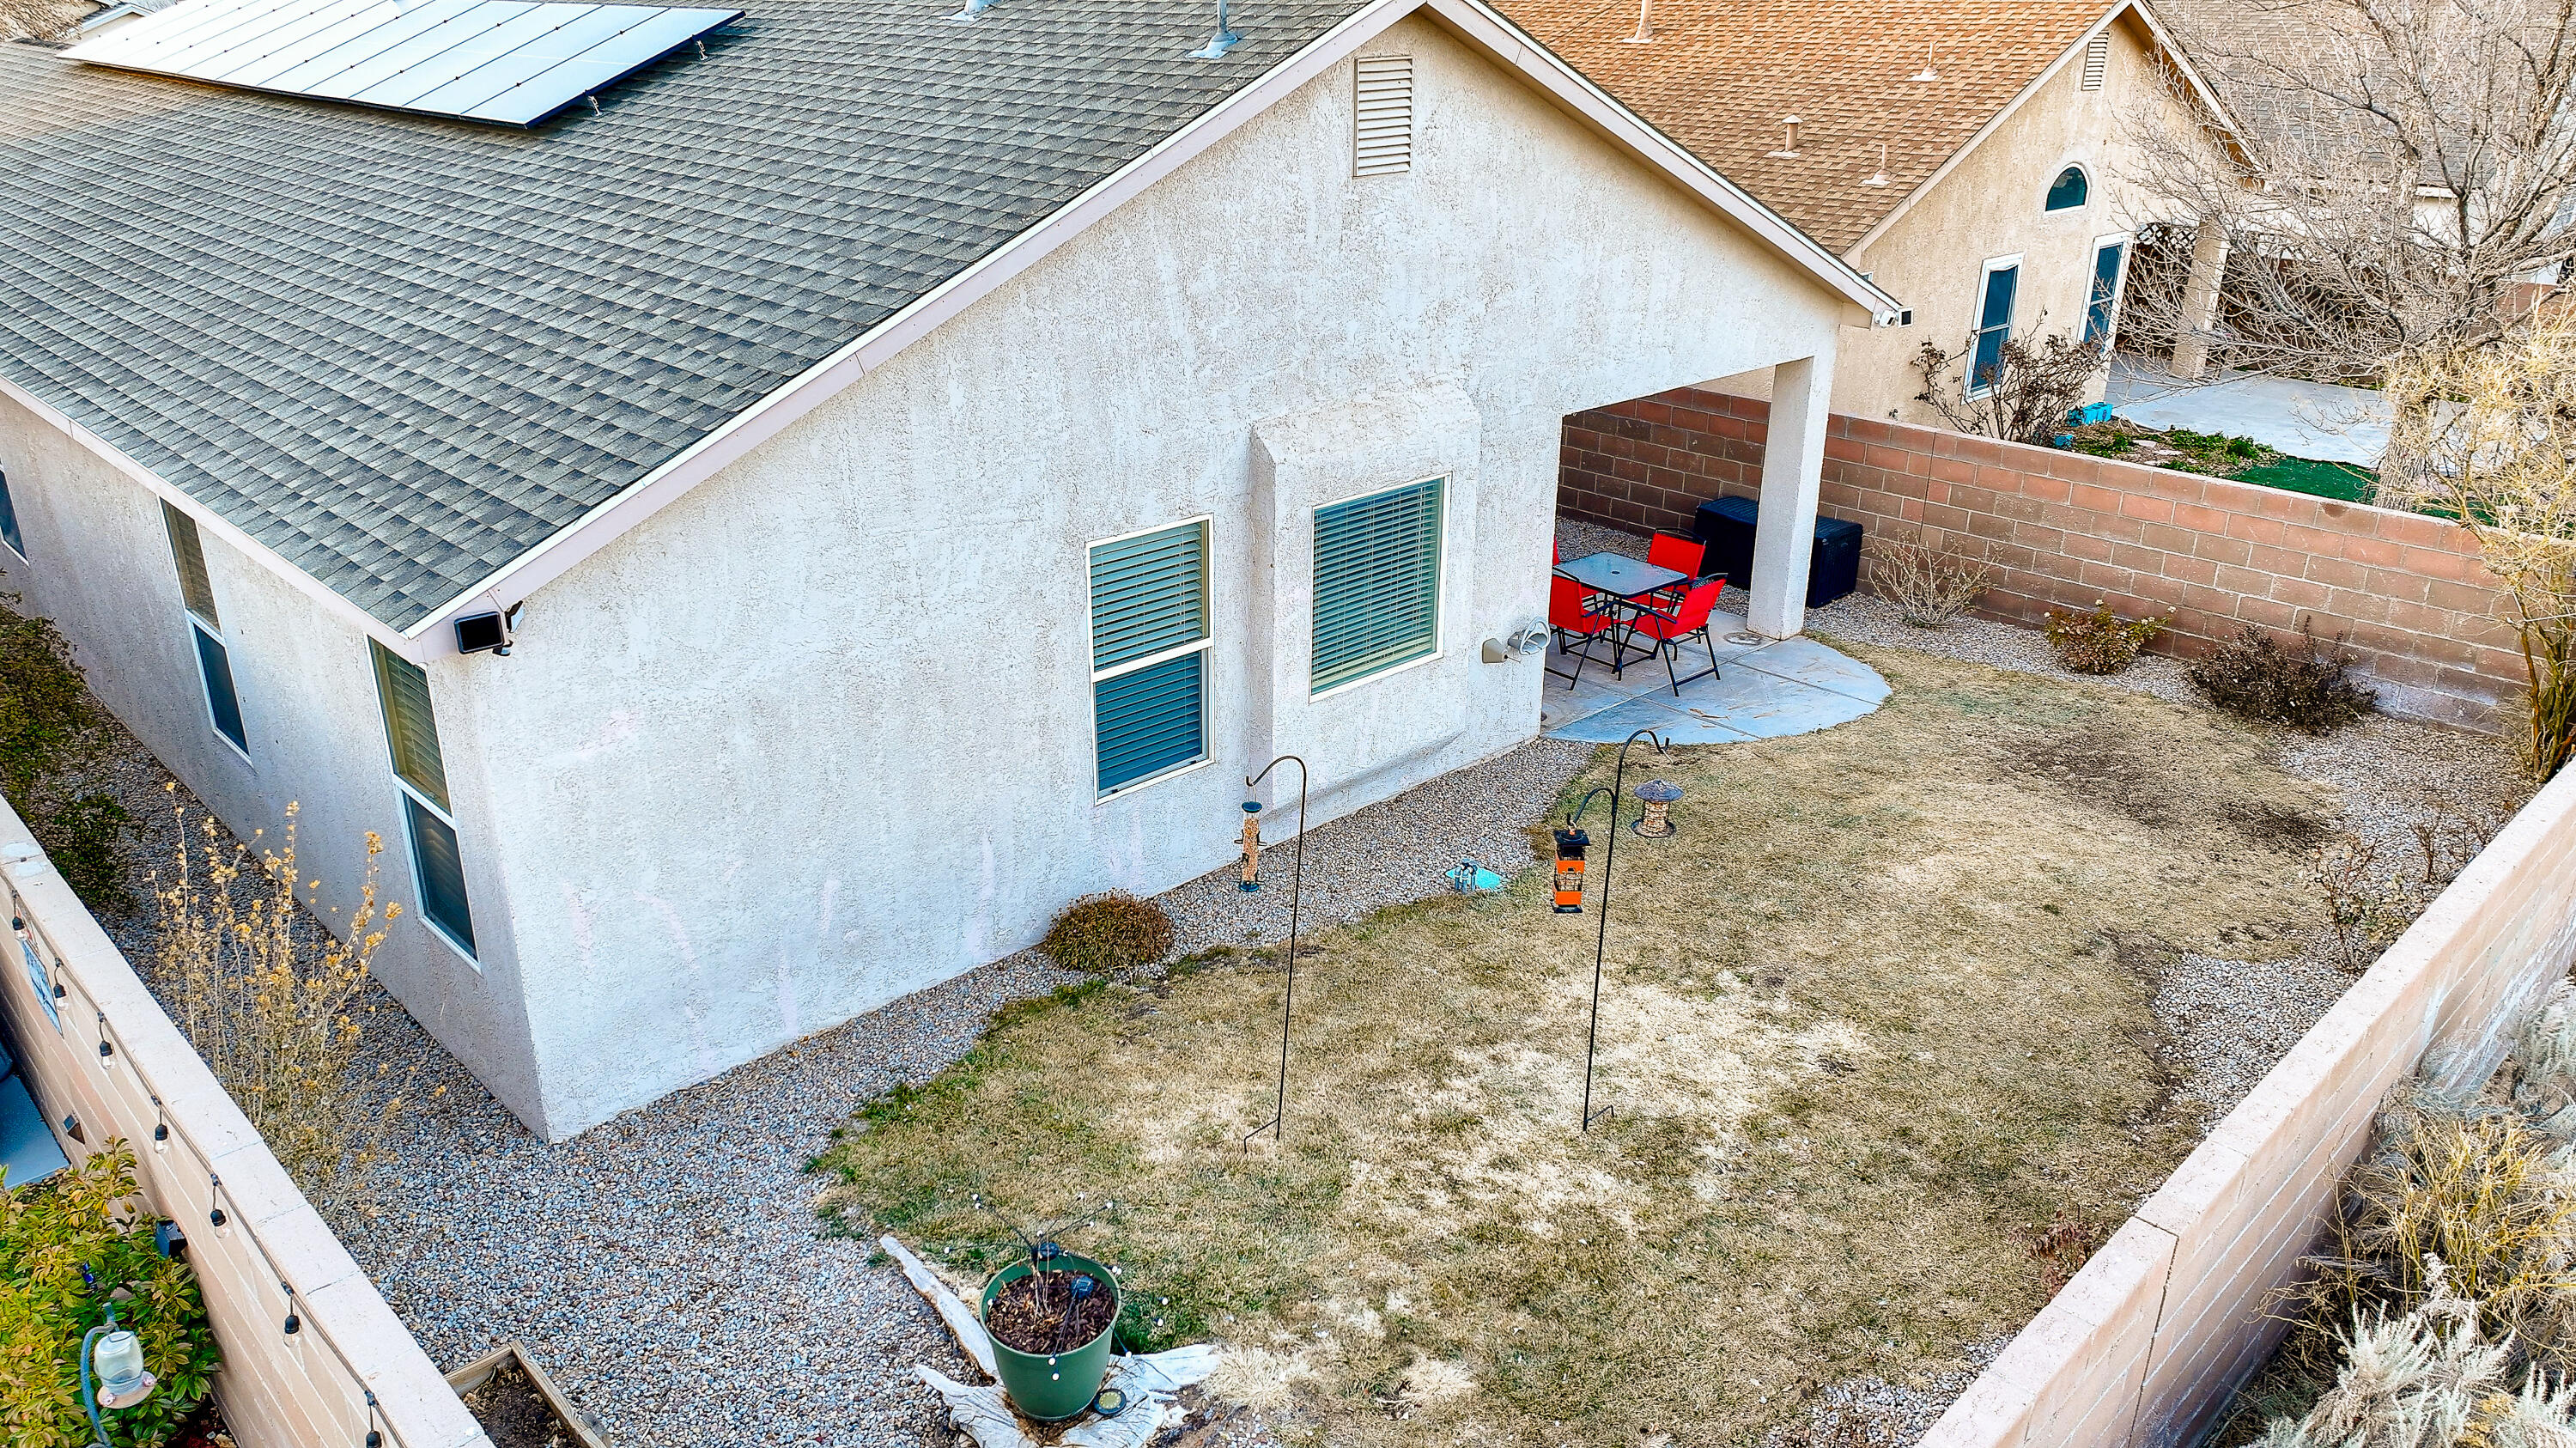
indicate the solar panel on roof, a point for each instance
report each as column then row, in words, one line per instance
column 512, row 61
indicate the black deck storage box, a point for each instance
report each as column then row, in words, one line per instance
column 1726, row 525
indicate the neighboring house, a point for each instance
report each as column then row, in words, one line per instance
column 1966, row 157
column 118, row 15
column 928, row 465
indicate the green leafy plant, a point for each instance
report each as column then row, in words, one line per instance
column 2099, row 641
column 80, row 836
column 1106, row 933
column 2306, row 688
column 50, row 1231
column 44, row 705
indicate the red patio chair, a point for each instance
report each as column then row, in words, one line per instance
column 1570, row 617
column 1667, row 630
column 1682, row 555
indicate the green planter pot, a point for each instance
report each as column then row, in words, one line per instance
column 1052, row 1388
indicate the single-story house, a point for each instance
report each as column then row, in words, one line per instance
column 1968, row 158
column 759, row 536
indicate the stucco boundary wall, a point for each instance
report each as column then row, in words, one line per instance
column 2062, row 529
column 274, row 1257
column 2148, row 1341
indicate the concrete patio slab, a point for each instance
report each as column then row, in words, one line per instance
column 2303, row 419
column 1765, row 691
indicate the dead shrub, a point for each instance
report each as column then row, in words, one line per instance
column 2063, row 1246
column 2306, row 687
column 2368, row 905
column 273, row 1002
column 1929, row 586
column 2099, row 642
column 1103, row 934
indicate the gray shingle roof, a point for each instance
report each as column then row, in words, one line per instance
column 401, row 352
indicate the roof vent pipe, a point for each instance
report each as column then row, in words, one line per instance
column 1218, row 44
column 1645, row 24
column 1788, row 148
column 1878, row 177
column 1931, row 64
column 973, row 9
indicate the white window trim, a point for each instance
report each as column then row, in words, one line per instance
column 1439, row 590
column 1204, row 645
column 1977, row 315
column 2076, row 165
column 419, row 885
column 22, row 523
column 2127, row 242
column 205, row 690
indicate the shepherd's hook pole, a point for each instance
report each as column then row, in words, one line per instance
column 1277, row 1126
column 1601, row 940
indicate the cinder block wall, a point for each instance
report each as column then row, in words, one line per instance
column 273, row 1260
column 2147, row 1343
column 2063, row 530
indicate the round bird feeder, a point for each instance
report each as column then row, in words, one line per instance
column 1657, row 821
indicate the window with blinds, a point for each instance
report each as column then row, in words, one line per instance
column 205, row 628
column 411, row 739
column 1377, row 583
column 188, row 555
column 1384, row 144
column 2097, row 61
column 1149, row 645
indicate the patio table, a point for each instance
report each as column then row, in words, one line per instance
column 1625, row 581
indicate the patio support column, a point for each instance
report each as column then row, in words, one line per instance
column 1793, row 464
column 2200, row 301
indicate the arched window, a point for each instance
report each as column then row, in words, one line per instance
column 2068, row 192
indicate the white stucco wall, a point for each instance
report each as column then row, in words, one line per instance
column 99, row 565
column 819, row 734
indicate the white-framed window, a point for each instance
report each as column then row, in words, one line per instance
column 205, row 630
column 1995, row 290
column 2102, row 292
column 420, row 773
column 1149, row 654
column 2070, row 190
column 9, row 533
column 1377, row 583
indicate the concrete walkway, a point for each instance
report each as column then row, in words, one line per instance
column 2303, row 419
column 1761, row 691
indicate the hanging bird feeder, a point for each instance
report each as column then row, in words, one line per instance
column 1657, row 821
column 1570, row 845
column 1251, row 846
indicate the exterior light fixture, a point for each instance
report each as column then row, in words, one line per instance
column 223, row 1223
column 1657, row 822
column 1570, row 845
column 1251, row 846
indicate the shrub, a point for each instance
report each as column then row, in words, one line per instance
column 2368, row 905
column 2099, row 642
column 1929, row 586
column 80, row 836
column 50, row 1231
column 2304, row 687
column 44, row 706
column 1104, row 933
column 273, row 1002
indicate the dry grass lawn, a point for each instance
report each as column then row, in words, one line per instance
column 1874, row 1018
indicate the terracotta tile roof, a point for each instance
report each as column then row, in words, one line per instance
column 1720, row 75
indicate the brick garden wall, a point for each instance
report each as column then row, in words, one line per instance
column 2062, row 529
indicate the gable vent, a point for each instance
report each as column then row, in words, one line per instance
column 1385, row 127
column 2097, row 61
